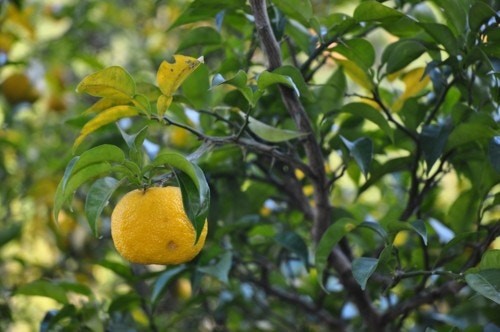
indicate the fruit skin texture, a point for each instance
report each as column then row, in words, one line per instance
column 151, row 227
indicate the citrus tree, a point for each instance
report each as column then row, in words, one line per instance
column 344, row 157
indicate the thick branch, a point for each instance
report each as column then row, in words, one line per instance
column 323, row 210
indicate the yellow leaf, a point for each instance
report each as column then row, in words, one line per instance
column 163, row 103
column 171, row 75
column 112, row 82
column 358, row 75
column 105, row 117
column 105, row 103
column 415, row 81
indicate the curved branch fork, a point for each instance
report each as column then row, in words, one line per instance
column 322, row 214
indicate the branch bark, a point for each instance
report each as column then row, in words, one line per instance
column 322, row 212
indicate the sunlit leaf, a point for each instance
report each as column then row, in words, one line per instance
column 328, row 241
column 270, row 133
column 267, row 79
column 490, row 260
column 106, row 103
column 300, row 10
column 105, row 117
column 357, row 50
column 356, row 73
column 163, row 103
column 363, row 268
column 112, row 82
column 97, row 198
column 221, row 269
column 415, row 81
column 44, row 288
column 170, row 75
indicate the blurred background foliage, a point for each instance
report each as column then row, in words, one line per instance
column 255, row 272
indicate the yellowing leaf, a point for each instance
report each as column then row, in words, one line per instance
column 415, row 82
column 105, row 117
column 104, row 104
column 171, row 75
column 355, row 73
column 163, row 103
column 112, row 82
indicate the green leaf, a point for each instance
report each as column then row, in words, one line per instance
column 112, row 82
column 74, row 174
column 43, row 288
column 119, row 269
column 239, row 81
column 205, row 10
column 75, row 288
column 124, row 303
column 220, row 270
column 433, row 139
column 374, row 11
column 479, row 13
column 442, row 35
column 328, row 241
column 293, row 242
column 391, row 166
column 267, row 79
column 486, row 283
column 399, row 54
column 369, row 113
column 362, row 152
column 134, row 143
column 490, row 260
column 197, row 209
column 97, row 198
column 377, row 228
column 494, row 153
column 469, row 132
column 202, row 36
column 297, row 78
column 358, row 50
column 419, row 227
column 270, row 133
column 161, row 283
column 363, row 268
column 300, row 10
column 9, row 233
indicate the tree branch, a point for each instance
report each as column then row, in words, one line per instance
column 323, row 209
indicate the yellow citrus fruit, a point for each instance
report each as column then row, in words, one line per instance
column 17, row 88
column 183, row 288
column 151, row 227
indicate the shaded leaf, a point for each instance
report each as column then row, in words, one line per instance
column 377, row 228
column 419, row 227
column 293, row 242
column 486, row 283
column 398, row 55
column 202, row 36
column 239, row 81
column 108, row 116
column 220, row 270
column 328, row 241
column 442, row 35
column 415, row 81
column 97, row 198
column 369, row 113
column 362, row 152
column 469, row 132
column 205, row 10
column 112, row 82
column 163, row 280
column 297, row 78
column 433, row 139
column 357, row 50
column 494, row 153
column 374, row 11
column 363, row 268
column 490, row 260
column 391, row 166
column 300, row 10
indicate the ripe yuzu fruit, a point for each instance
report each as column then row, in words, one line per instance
column 151, row 227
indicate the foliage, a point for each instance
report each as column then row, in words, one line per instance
column 347, row 155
